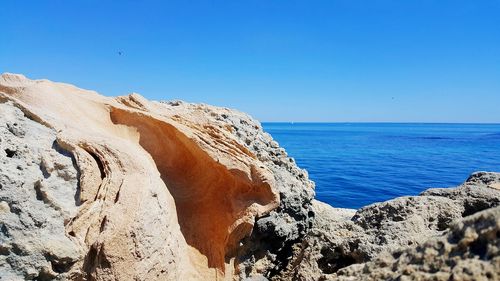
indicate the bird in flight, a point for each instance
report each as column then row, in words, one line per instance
column 120, row 53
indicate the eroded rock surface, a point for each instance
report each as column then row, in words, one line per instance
column 38, row 196
column 470, row 250
column 267, row 251
column 166, row 191
column 368, row 244
column 99, row 188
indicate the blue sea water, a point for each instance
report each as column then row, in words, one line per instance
column 356, row 164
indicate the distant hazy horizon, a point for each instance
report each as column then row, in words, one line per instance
column 289, row 61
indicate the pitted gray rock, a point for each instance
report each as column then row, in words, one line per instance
column 38, row 183
column 340, row 246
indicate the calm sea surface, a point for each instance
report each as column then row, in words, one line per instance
column 355, row 164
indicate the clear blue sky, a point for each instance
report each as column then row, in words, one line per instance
column 422, row 60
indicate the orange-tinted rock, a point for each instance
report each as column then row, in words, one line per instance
column 163, row 194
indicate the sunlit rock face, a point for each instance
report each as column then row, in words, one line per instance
column 101, row 188
column 441, row 234
column 38, row 183
column 146, row 190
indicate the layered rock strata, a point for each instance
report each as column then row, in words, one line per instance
column 152, row 190
column 100, row 188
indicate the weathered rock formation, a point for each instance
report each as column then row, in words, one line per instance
column 442, row 234
column 38, row 190
column 469, row 250
column 100, row 188
column 135, row 189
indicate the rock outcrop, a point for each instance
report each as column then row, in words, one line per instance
column 469, row 250
column 266, row 252
column 353, row 245
column 147, row 190
column 38, row 184
column 100, row 188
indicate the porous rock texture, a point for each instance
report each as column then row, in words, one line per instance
column 469, row 250
column 99, row 188
column 38, row 183
column 267, row 251
column 442, row 234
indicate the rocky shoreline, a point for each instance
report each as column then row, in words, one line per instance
column 97, row 188
column 442, row 234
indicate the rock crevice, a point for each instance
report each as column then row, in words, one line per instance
column 101, row 188
column 161, row 192
column 211, row 200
